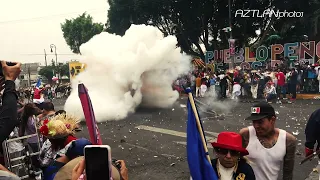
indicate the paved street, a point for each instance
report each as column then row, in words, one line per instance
column 152, row 141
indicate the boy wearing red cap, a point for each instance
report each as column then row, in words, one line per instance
column 230, row 163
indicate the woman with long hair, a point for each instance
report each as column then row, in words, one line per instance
column 27, row 125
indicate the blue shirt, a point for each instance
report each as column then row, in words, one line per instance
column 212, row 81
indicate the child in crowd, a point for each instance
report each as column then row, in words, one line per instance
column 270, row 92
column 217, row 87
column 236, row 90
column 203, row 88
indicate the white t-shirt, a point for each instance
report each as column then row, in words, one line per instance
column 266, row 162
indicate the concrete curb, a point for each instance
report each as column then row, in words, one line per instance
column 299, row 96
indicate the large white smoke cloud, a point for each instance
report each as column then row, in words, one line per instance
column 123, row 72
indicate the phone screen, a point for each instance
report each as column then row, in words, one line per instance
column 97, row 163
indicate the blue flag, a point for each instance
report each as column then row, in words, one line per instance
column 200, row 168
column 38, row 83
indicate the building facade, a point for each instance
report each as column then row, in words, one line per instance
column 29, row 74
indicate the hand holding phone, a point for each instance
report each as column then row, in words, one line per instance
column 78, row 170
column 97, row 162
column 123, row 170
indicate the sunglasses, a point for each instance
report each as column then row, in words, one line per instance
column 226, row 151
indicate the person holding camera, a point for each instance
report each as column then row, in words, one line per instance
column 8, row 112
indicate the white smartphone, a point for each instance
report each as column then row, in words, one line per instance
column 98, row 162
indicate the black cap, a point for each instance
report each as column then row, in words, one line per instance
column 260, row 111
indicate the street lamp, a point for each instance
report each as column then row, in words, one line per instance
column 55, row 52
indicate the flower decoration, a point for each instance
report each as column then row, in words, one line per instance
column 52, row 132
column 44, row 130
column 45, row 122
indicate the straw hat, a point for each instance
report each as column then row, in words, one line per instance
column 59, row 126
column 65, row 173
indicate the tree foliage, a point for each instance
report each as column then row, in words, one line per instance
column 197, row 22
column 80, row 30
column 296, row 29
column 51, row 70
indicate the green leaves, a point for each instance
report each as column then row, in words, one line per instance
column 80, row 30
column 196, row 22
column 50, row 70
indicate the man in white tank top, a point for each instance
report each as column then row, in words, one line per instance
column 268, row 147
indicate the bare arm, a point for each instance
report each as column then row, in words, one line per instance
column 245, row 136
column 288, row 163
column 20, row 110
column 2, row 168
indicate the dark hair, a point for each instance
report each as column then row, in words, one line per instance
column 48, row 106
column 60, row 112
column 28, row 110
column 57, row 144
column 270, row 116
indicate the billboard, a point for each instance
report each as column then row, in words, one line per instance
column 299, row 52
column 76, row 67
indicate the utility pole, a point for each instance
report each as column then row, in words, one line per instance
column 29, row 76
column 55, row 52
column 45, row 57
column 230, row 25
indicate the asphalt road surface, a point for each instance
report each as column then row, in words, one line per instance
column 152, row 141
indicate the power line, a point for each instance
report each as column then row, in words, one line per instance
column 49, row 54
column 51, row 16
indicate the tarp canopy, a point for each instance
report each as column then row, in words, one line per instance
column 198, row 63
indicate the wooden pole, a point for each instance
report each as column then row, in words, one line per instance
column 199, row 125
column 310, row 157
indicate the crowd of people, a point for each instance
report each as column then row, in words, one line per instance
column 49, row 92
column 271, row 84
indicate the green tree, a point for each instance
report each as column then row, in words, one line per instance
column 196, row 22
column 64, row 70
column 47, row 72
column 80, row 30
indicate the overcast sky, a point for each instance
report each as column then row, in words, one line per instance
column 27, row 27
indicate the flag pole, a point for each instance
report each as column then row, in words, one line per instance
column 198, row 123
